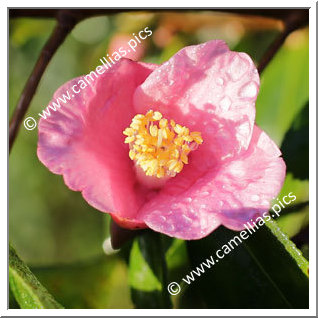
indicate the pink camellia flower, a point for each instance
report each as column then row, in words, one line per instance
column 172, row 147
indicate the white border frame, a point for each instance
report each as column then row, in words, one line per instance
column 312, row 164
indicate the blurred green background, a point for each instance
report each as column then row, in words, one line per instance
column 52, row 228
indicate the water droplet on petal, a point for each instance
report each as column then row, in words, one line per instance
column 225, row 103
column 203, row 223
column 255, row 197
column 162, row 218
column 249, row 90
column 220, row 81
column 192, row 211
column 204, row 194
column 186, row 219
column 238, row 68
column 169, row 227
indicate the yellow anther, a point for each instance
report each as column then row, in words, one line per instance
column 129, row 131
column 197, row 137
column 165, row 133
column 178, row 167
column 178, row 129
column 163, row 123
column 178, row 141
column 188, row 138
column 137, row 120
column 186, row 148
column 149, row 114
column 129, row 139
column 134, row 126
column 160, row 146
column 153, row 131
column 157, row 116
column 172, row 164
column 132, row 154
column 139, row 141
column 175, row 153
column 184, row 158
column 160, row 172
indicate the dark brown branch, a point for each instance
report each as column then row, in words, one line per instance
column 296, row 19
column 65, row 23
column 281, row 14
column 79, row 14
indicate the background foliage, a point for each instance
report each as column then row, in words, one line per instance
column 60, row 236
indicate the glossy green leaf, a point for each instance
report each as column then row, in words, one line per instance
column 296, row 216
column 12, row 301
column 27, row 290
column 289, row 246
column 177, row 258
column 300, row 188
column 265, row 271
column 294, row 220
column 177, row 263
column 147, row 272
column 284, row 88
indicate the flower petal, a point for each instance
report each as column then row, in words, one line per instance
column 83, row 140
column 209, row 89
column 251, row 182
column 230, row 195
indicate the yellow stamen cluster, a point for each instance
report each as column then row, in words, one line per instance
column 159, row 146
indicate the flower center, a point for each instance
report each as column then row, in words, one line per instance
column 158, row 146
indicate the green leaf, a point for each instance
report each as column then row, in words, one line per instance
column 295, row 220
column 294, row 217
column 27, row 290
column 300, row 188
column 284, row 87
column 100, row 283
column 176, row 258
column 289, row 246
column 295, row 147
column 147, row 272
column 12, row 301
column 43, row 207
column 264, row 271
